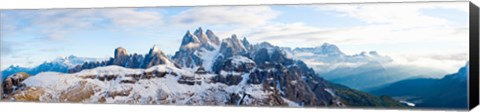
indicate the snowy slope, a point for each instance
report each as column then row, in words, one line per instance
column 157, row 90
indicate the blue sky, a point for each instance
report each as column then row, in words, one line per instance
column 412, row 33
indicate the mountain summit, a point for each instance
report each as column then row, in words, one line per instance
column 329, row 49
column 192, row 43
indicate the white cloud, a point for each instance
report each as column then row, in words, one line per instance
column 40, row 28
column 237, row 16
column 131, row 18
column 399, row 14
column 448, row 63
column 389, row 26
column 398, row 30
column 387, row 23
column 56, row 23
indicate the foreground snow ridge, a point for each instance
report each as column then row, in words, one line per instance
column 115, row 84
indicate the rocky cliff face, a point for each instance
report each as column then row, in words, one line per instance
column 268, row 66
column 187, row 55
column 14, row 83
column 120, row 57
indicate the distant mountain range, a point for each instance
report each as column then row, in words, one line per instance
column 60, row 64
column 447, row 92
column 204, row 71
column 369, row 71
column 121, row 58
column 361, row 71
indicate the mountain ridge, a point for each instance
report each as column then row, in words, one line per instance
column 59, row 64
column 121, row 58
column 232, row 72
column 363, row 71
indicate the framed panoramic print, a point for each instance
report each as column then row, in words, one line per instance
column 398, row 55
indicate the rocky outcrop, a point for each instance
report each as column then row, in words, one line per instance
column 267, row 65
column 201, row 70
column 231, row 47
column 155, row 57
column 187, row 55
column 212, row 37
column 239, row 64
column 246, row 44
column 293, row 79
column 121, row 58
column 14, row 83
column 204, row 40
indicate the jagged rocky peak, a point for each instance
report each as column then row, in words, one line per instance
column 120, row 56
column 120, row 51
column 201, row 36
column 213, row 38
column 189, row 38
column 155, row 57
column 232, row 46
column 193, row 45
column 236, row 42
column 328, row 48
column 245, row 42
column 155, row 50
column 324, row 49
column 199, row 39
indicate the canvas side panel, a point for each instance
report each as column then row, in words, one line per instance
column 474, row 53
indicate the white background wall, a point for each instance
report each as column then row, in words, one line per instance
column 41, row 107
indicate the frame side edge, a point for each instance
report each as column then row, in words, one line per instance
column 473, row 78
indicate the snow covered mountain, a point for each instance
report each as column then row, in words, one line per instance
column 121, row 58
column 205, row 71
column 328, row 57
column 197, row 47
column 60, row 64
column 362, row 71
